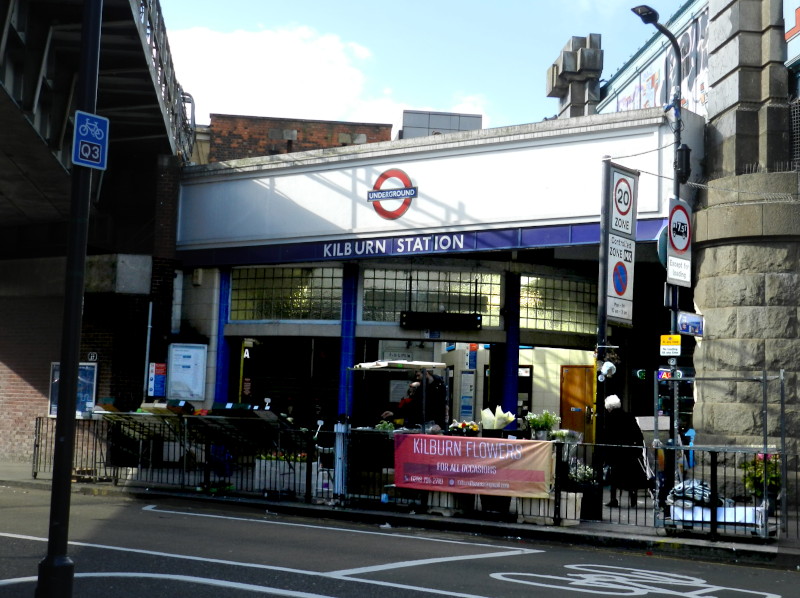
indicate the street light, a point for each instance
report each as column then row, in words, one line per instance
column 681, row 166
column 682, row 170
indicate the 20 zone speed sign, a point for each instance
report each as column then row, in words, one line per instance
column 622, row 202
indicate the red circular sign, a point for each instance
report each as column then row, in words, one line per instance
column 623, row 196
column 392, row 173
column 680, row 229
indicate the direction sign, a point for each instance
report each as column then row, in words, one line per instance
column 679, row 247
column 90, row 140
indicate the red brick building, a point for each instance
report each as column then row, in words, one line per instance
column 234, row 137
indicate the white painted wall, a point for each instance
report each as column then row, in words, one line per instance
column 530, row 175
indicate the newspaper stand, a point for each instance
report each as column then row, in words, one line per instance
column 374, row 463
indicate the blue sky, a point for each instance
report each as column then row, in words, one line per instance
column 367, row 61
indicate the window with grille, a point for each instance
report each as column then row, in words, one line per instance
column 558, row 305
column 388, row 292
column 264, row 293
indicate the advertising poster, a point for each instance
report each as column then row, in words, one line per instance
column 472, row 465
column 87, row 385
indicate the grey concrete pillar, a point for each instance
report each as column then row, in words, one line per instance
column 747, row 228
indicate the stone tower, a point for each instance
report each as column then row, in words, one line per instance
column 747, row 230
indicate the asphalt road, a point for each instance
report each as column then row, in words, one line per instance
column 126, row 548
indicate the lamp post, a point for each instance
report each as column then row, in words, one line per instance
column 680, row 175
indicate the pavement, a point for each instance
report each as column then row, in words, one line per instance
column 781, row 552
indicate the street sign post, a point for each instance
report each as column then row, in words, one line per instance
column 90, row 140
column 679, row 247
column 621, row 244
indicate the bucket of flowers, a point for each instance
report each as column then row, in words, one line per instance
column 541, row 424
column 463, row 428
column 760, row 471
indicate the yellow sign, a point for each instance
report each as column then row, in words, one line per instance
column 671, row 339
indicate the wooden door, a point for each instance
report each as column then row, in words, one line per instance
column 577, row 399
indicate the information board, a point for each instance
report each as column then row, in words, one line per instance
column 186, row 371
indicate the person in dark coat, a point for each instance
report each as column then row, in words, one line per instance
column 624, row 459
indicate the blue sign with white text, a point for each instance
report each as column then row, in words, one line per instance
column 90, row 140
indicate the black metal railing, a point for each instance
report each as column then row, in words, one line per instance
column 714, row 491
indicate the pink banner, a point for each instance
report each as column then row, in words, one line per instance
column 473, row 465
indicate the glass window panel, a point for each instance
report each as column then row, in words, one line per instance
column 264, row 293
column 558, row 305
column 386, row 294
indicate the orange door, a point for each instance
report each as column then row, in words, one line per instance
column 577, row 399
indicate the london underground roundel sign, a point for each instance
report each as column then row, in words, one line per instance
column 404, row 194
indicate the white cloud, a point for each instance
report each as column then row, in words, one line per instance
column 291, row 73
column 288, row 73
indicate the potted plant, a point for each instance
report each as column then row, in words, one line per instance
column 581, row 478
column 760, row 471
column 541, row 424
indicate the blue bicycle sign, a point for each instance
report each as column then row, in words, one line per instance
column 90, row 140
column 90, row 127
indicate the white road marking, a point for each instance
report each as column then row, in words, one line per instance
column 155, row 509
column 421, row 562
column 236, row 585
column 609, row 580
column 344, row 575
column 185, row 578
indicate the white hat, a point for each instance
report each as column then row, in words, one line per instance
column 613, row 402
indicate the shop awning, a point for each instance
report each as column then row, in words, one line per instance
column 400, row 364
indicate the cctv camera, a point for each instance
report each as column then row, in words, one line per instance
column 608, row 369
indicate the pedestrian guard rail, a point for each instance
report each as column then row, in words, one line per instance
column 715, row 491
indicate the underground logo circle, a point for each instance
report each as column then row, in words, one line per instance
column 404, row 194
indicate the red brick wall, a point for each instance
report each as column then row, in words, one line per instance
column 30, row 339
column 234, row 137
column 114, row 327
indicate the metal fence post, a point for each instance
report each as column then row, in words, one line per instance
column 340, row 462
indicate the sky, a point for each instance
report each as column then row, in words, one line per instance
column 367, row 61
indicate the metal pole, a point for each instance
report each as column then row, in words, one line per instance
column 676, row 190
column 650, row 17
column 602, row 321
column 56, row 570
column 147, row 351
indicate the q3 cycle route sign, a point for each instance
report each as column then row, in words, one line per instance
column 90, row 140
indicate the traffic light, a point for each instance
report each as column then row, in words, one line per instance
column 641, row 374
